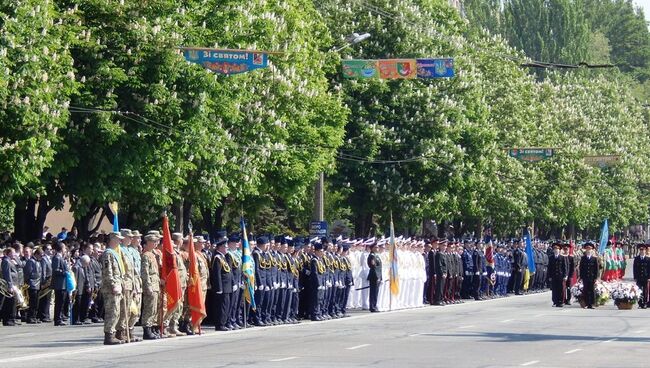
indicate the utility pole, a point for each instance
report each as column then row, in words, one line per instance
column 319, row 198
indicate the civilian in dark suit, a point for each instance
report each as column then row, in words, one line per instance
column 10, row 275
column 85, row 284
column 589, row 274
column 60, row 269
column 45, row 292
column 32, row 274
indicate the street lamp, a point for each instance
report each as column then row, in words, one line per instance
column 319, row 186
column 352, row 39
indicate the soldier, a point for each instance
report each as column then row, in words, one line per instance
column 374, row 277
column 112, row 288
column 293, row 280
column 479, row 265
column 222, row 286
column 234, row 254
column 558, row 275
column 262, row 280
column 150, row 274
column 641, row 270
column 348, row 279
column 316, row 274
column 32, row 273
column 204, row 268
column 124, row 332
column 571, row 269
column 441, row 273
column 518, row 267
column 134, row 248
column 174, row 316
column 589, row 274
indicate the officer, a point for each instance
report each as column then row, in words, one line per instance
column 222, row 286
column 571, row 269
column 150, row 287
column 468, row 272
column 317, row 281
column 113, row 268
column 518, row 267
column 589, row 274
column 347, row 280
column 441, row 272
column 262, row 280
column 374, row 277
column 478, row 267
column 641, row 270
column 558, row 274
column 235, row 258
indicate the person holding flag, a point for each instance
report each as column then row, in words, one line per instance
column 171, row 279
column 195, row 296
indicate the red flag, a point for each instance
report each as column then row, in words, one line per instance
column 170, row 269
column 195, row 298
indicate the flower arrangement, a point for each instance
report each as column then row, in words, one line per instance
column 601, row 290
column 625, row 292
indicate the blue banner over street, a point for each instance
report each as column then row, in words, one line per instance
column 224, row 61
column 435, row 68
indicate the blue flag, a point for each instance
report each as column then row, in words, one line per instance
column 114, row 207
column 604, row 237
column 529, row 251
column 248, row 268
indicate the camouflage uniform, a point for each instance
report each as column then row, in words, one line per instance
column 151, row 289
column 112, row 274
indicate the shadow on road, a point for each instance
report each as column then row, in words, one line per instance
column 530, row 337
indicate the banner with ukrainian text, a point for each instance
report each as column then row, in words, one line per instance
column 225, row 61
column 435, row 68
column 355, row 69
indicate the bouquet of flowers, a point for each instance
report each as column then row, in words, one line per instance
column 625, row 292
column 601, row 291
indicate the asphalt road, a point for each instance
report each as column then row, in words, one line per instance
column 511, row 332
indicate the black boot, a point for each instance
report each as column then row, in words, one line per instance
column 147, row 334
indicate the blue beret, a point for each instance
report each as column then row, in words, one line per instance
column 318, row 246
column 262, row 240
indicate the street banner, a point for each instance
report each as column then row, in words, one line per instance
column 435, row 68
column 531, row 154
column 603, row 161
column 226, row 61
column 360, row 69
column 397, row 69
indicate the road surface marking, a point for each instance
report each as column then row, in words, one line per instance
column 283, row 359
column 357, row 347
column 468, row 326
column 539, row 315
column 530, row 363
column 572, row 351
column 415, row 335
column 610, row 340
column 507, row 320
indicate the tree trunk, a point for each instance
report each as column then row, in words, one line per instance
column 187, row 215
column 177, row 211
column 20, row 219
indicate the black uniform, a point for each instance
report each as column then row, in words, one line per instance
column 374, row 278
column 317, row 276
column 10, row 275
column 557, row 266
column 479, row 262
column 441, row 276
column 430, row 286
column 518, row 269
column 222, row 287
column 589, row 275
column 570, row 271
column 641, row 275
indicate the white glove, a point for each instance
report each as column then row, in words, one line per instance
column 266, row 288
column 235, row 287
column 219, row 292
column 283, row 285
column 276, row 285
